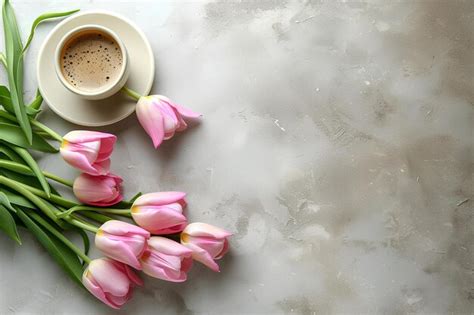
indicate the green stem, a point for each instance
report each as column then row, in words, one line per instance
column 6, row 115
column 46, row 129
column 58, row 179
column 3, row 60
column 61, row 237
column 131, row 93
column 132, row 200
column 53, row 198
column 35, row 123
column 44, row 134
column 98, row 217
column 20, row 188
column 124, row 212
column 25, row 170
column 16, row 167
column 82, row 225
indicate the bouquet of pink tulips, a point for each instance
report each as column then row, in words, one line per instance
column 148, row 233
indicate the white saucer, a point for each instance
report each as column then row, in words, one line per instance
column 107, row 111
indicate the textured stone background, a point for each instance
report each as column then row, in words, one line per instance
column 337, row 143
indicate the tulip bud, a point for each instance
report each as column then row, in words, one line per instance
column 207, row 242
column 122, row 241
column 160, row 212
column 102, row 191
column 88, row 151
column 110, row 281
column 161, row 118
column 166, row 259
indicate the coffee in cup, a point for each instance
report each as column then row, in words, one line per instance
column 92, row 62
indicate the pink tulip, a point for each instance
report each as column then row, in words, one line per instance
column 166, row 259
column 160, row 117
column 110, row 281
column 88, row 151
column 102, row 191
column 207, row 242
column 160, row 212
column 122, row 241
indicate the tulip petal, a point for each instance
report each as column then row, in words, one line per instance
column 96, row 291
column 117, row 227
column 183, row 111
column 159, row 198
column 122, row 241
column 164, row 273
column 88, row 151
column 106, row 148
column 211, row 245
column 169, row 247
column 118, row 300
column 206, row 230
column 133, row 276
column 118, row 251
column 164, row 259
column 186, row 264
column 203, row 257
column 102, row 167
column 111, row 280
column 170, row 119
column 182, row 124
column 151, row 120
column 78, row 160
column 224, row 250
column 91, row 188
column 186, row 112
column 81, row 136
column 100, row 190
column 164, row 219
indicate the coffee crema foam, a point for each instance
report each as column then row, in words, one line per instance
column 91, row 60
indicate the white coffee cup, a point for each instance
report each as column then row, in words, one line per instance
column 111, row 87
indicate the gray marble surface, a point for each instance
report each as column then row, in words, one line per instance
column 337, row 143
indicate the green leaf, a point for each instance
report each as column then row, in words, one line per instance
column 10, row 153
column 24, row 179
column 14, row 56
column 27, row 180
column 8, row 225
column 6, row 202
column 12, row 134
column 18, row 200
column 26, row 156
column 37, row 101
column 16, row 167
column 44, row 17
column 33, row 112
column 64, row 256
column 5, row 99
column 3, row 59
column 33, row 108
column 85, row 240
column 4, row 120
column 6, row 102
column 31, row 181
